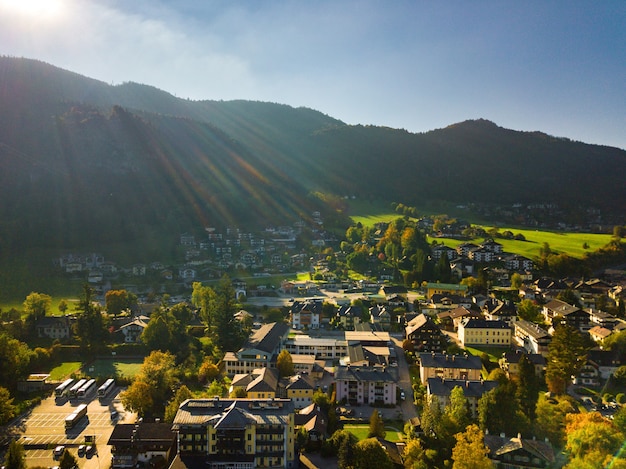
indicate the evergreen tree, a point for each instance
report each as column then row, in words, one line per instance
column 90, row 326
column 527, row 388
column 14, row 458
column 377, row 425
column 566, row 356
column 68, row 461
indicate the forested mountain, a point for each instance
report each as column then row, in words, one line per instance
column 84, row 163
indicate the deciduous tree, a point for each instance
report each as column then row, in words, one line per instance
column 369, row 453
column 470, row 451
column 7, row 409
column 284, row 363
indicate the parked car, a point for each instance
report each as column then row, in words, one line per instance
column 81, row 450
column 90, row 450
column 58, row 451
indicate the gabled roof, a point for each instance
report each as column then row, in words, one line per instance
column 266, row 381
column 419, row 322
column 442, row 360
column 501, row 445
column 443, row 387
column 562, row 308
column 267, row 337
column 515, row 356
column 233, row 418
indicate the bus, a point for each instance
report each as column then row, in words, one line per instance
column 106, row 388
column 75, row 416
column 74, row 389
column 63, row 388
column 87, row 388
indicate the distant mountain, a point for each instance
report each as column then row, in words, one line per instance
column 84, row 163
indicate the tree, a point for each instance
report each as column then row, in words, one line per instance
column 343, row 444
column 414, row 456
column 152, row 387
column 592, row 439
column 156, row 334
column 90, row 326
column 470, row 451
column 182, row 394
column 458, row 411
column 208, row 371
column 15, row 357
column 377, row 426
column 117, row 301
column 37, row 306
column 567, row 354
column 68, row 461
column 529, row 311
column 284, row 363
column 228, row 334
column 499, row 411
column 516, row 281
column 370, row 453
column 527, row 387
column 550, row 422
column 14, row 458
column 203, row 298
column 7, row 409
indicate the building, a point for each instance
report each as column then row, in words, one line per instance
column 472, row 389
column 299, row 389
column 365, row 385
column 54, row 327
column 425, row 335
column 484, row 332
column 147, row 443
column 445, row 289
column 132, row 330
column 306, row 315
column 572, row 315
column 519, row 453
column 531, row 337
column 509, row 362
column 458, row 367
column 236, row 433
column 259, row 351
column 324, row 348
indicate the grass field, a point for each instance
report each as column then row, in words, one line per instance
column 113, row 367
column 570, row 243
column 361, row 431
column 64, row 370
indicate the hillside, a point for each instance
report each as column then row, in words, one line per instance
column 84, row 164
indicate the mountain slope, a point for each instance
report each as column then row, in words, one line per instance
column 84, row 164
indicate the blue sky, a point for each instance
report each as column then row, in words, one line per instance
column 555, row 66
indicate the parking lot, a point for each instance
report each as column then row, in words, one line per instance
column 41, row 430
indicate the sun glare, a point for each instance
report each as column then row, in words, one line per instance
column 33, row 8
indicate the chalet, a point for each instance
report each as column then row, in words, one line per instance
column 314, row 420
column 264, row 384
column 572, row 315
column 519, row 453
column 347, row 315
column 599, row 333
column 380, row 316
column 149, row 444
column 365, row 385
column 54, row 327
column 306, row 315
column 425, row 335
column 473, row 390
column 463, row 249
column 531, row 337
column 132, row 330
column 462, row 267
column 606, row 361
column 456, row 315
column 458, row 367
column 484, row 332
column 481, row 255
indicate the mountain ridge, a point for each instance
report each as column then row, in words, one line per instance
column 85, row 162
